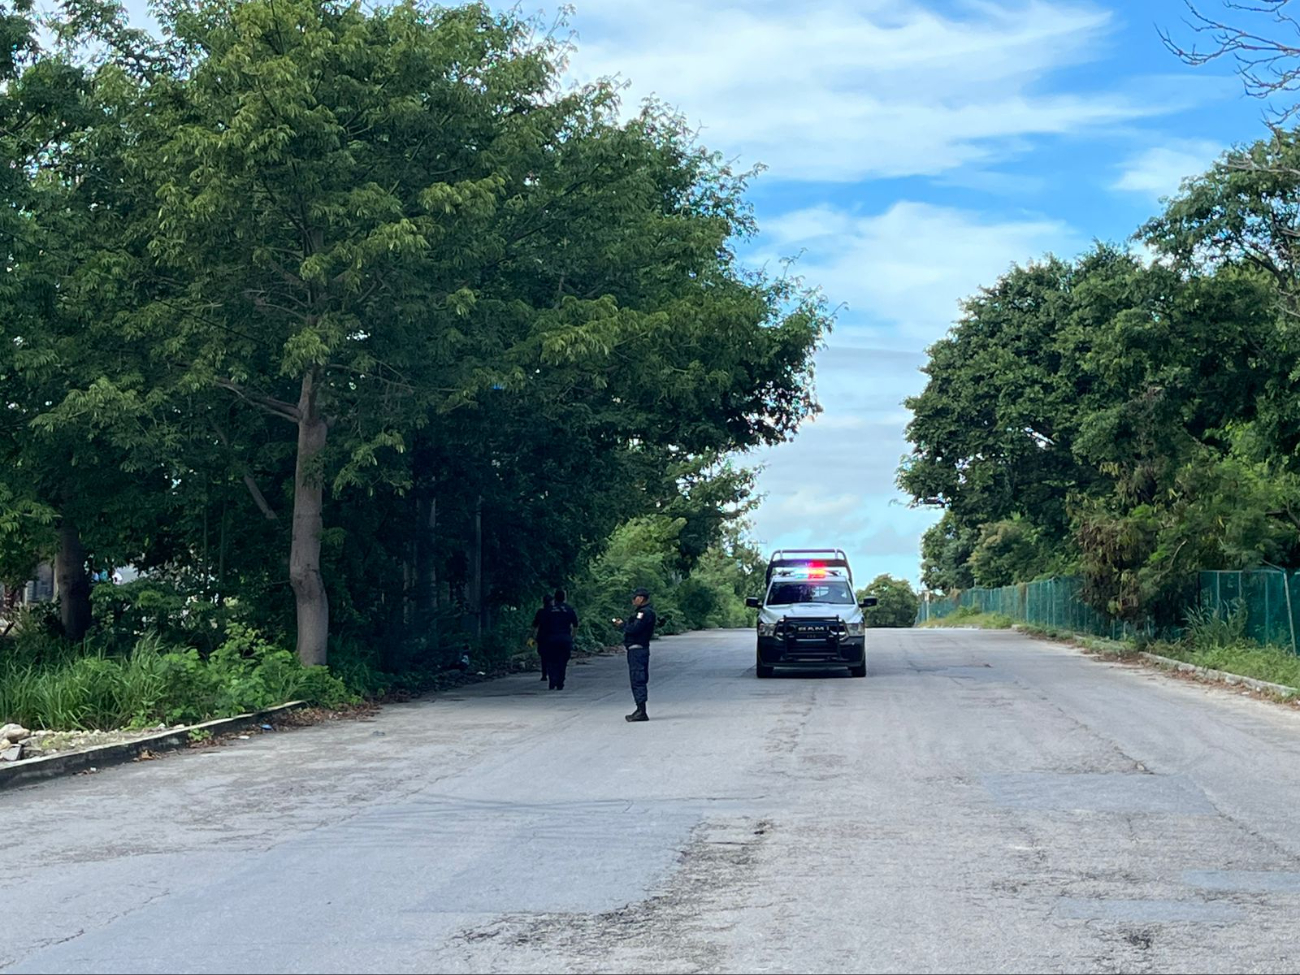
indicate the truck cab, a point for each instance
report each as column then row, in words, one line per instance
column 808, row 617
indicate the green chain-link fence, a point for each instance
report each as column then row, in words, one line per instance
column 1270, row 599
column 1047, row 602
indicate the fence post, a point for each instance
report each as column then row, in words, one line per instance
column 1268, row 616
column 1290, row 618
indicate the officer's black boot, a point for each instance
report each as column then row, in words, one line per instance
column 638, row 715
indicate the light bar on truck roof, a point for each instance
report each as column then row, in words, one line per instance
column 784, row 559
column 810, row 572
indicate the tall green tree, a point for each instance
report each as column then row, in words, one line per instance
column 384, row 227
column 897, row 604
column 72, row 442
column 992, row 431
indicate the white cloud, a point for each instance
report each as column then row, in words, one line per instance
column 1160, row 170
column 815, row 502
column 1015, row 185
column 903, row 273
column 913, row 264
column 831, row 90
column 840, row 422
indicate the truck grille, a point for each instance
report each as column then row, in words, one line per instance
column 804, row 633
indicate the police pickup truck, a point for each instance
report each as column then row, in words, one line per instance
column 808, row 617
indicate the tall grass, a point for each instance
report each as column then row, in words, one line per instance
column 967, row 616
column 1216, row 638
column 86, row 687
column 1211, row 628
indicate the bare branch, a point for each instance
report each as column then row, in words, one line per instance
column 1267, row 59
column 276, row 407
column 247, row 474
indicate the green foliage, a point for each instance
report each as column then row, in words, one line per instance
column 946, row 547
column 1123, row 421
column 1010, row 550
column 1275, row 664
column 646, row 552
column 1213, row 628
column 60, row 689
column 180, row 617
column 898, row 602
column 515, row 312
column 972, row 616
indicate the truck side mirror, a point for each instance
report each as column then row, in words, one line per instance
column 868, row 601
column 753, row 602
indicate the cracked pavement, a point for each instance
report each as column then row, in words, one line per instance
column 981, row 802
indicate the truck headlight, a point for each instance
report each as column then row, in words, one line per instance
column 766, row 629
column 855, row 629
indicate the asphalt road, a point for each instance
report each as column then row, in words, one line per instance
column 981, row 802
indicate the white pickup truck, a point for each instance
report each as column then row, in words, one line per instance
column 809, row 618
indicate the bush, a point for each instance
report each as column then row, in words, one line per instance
column 972, row 616
column 898, row 603
column 374, row 671
column 1209, row 628
column 154, row 683
column 182, row 617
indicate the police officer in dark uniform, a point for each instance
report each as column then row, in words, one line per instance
column 559, row 626
column 637, row 633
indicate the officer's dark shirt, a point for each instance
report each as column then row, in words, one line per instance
column 556, row 623
column 640, row 628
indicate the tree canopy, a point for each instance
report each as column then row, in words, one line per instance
column 365, row 311
column 1129, row 420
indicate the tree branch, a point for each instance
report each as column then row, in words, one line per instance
column 247, row 474
column 276, row 407
column 1266, row 65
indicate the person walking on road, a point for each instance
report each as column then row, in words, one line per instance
column 637, row 633
column 535, row 639
column 559, row 626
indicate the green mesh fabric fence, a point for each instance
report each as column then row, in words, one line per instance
column 1047, row 602
column 1270, row 598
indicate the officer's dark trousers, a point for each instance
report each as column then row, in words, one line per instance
column 638, row 671
column 555, row 660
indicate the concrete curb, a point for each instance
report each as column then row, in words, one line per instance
column 1221, row 676
column 1169, row 663
column 69, row 763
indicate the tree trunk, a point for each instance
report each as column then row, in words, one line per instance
column 477, row 567
column 426, row 562
column 408, row 586
column 304, row 555
column 71, row 582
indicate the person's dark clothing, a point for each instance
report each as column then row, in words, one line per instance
column 638, row 672
column 555, row 641
column 556, row 623
column 639, row 630
column 637, row 634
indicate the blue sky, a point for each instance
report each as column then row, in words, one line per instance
column 915, row 149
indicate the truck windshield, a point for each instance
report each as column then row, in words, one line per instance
column 830, row 591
